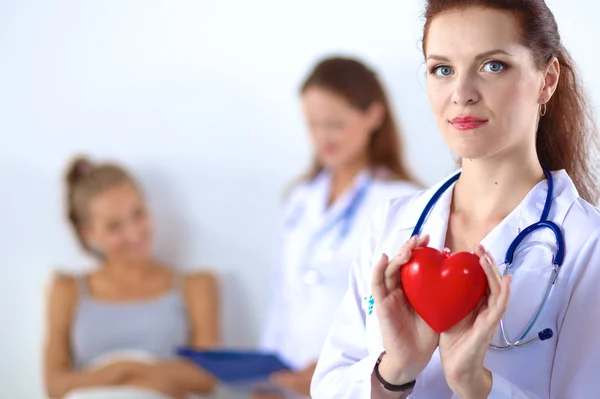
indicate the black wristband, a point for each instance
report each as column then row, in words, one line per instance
column 391, row 387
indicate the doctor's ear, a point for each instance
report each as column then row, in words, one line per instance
column 551, row 76
column 376, row 115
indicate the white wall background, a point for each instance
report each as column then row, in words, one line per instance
column 199, row 99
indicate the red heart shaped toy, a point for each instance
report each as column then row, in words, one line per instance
column 441, row 287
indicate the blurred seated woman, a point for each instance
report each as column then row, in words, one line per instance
column 113, row 333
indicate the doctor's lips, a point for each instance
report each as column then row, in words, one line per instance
column 467, row 122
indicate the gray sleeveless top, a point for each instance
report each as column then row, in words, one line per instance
column 155, row 326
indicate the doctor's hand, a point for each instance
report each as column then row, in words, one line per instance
column 408, row 341
column 463, row 347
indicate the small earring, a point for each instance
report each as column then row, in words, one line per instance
column 543, row 109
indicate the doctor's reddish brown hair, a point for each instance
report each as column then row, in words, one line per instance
column 84, row 181
column 567, row 136
column 361, row 88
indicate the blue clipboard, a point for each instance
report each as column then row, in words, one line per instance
column 236, row 367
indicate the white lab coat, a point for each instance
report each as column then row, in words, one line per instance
column 300, row 313
column 565, row 366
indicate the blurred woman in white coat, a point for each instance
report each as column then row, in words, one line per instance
column 358, row 165
column 508, row 101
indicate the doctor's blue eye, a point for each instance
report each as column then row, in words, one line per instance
column 442, row 70
column 494, row 66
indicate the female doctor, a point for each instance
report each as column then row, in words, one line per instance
column 357, row 167
column 507, row 100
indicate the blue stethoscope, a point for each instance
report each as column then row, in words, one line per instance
column 345, row 219
column 512, row 250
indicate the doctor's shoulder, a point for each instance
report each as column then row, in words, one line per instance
column 390, row 224
column 581, row 225
column 392, row 189
column 394, row 214
column 387, row 181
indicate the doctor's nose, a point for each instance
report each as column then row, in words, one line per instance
column 465, row 92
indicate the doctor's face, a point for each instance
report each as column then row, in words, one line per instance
column 340, row 133
column 483, row 86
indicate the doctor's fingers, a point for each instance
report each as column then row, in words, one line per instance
column 415, row 241
column 392, row 271
column 405, row 252
column 498, row 308
column 378, row 280
column 499, row 287
column 491, row 272
column 385, row 273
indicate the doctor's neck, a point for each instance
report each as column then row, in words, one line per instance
column 489, row 189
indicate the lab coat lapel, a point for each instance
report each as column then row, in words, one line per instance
column 497, row 241
column 436, row 223
column 565, row 193
column 528, row 212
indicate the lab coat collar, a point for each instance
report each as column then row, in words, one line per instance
column 437, row 221
column 498, row 240
column 529, row 212
column 532, row 206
